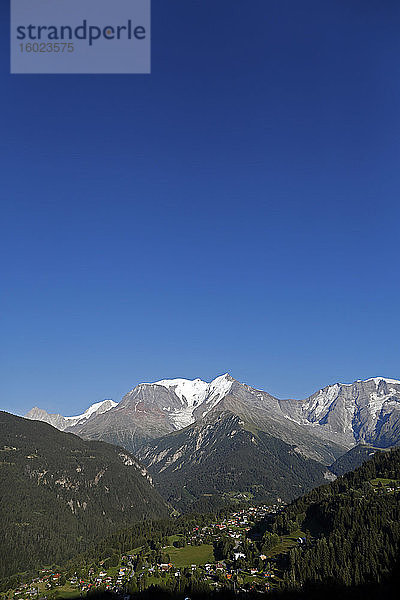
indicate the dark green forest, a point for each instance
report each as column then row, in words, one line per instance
column 59, row 494
column 352, row 528
column 352, row 459
column 241, row 459
column 76, row 504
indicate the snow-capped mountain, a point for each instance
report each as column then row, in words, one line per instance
column 223, row 437
column 152, row 410
column 196, row 396
column 62, row 423
column 322, row 426
column 364, row 411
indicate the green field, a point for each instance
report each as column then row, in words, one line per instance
column 65, row 591
column 288, row 542
column 382, row 484
column 174, row 538
column 191, row 555
column 385, row 482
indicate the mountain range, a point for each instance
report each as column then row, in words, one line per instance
column 206, row 442
column 347, row 414
column 63, row 423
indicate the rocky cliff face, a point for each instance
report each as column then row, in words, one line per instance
column 364, row 411
column 322, row 427
column 221, row 458
column 152, row 410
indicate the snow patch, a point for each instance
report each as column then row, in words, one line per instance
column 105, row 404
column 321, row 402
column 192, row 394
column 376, row 380
column 376, row 401
column 218, row 389
column 189, row 392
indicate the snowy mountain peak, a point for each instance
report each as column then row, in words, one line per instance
column 38, row 414
column 193, row 394
column 190, row 392
column 376, row 380
column 218, row 388
column 365, row 411
column 97, row 407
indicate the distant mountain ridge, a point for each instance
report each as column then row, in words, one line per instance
column 62, row 423
column 152, row 410
column 204, row 440
column 360, row 412
column 343, row 414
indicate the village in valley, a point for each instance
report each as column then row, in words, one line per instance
column 218, row 555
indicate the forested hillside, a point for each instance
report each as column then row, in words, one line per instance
column 204, row 466
column 351, row 527
column 354, row 458
column 59, row 493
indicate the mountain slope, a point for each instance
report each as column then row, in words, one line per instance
column 350, row 535
column 264, row 412
column 176, row 427
column 353, row 523
column 221, row 457
column 364, row 411
column 152, row 410
column 62, row 423
column 352, row 459
column 58, row 493
column 329, row 422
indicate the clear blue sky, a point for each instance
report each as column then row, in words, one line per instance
column 237, row 210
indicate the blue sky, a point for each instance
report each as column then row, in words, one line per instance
column 237, row 210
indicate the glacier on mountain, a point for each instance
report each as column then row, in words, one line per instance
column 194, row 394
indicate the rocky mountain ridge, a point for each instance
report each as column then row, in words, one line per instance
column 361, row 412
column 63, row 423
column 340, row 414
column 204, row 442
column 220, row 457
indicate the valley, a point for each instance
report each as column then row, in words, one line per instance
column 202, row 442
column 250, row 550
column 210, row 556
column 228, row 489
